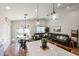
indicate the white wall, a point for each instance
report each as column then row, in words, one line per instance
column 5, row 35
column 67, row 20
column 31, row 23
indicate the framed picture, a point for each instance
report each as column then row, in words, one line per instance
column 57, row 28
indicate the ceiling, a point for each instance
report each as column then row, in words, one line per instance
column 17, row 10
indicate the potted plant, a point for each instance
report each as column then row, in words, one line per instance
column 44, row 41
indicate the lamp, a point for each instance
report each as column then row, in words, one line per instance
column 25, row 20
column 38, row 23
column 24, row 26
column 54, row 13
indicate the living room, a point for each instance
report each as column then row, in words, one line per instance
column 32, row 21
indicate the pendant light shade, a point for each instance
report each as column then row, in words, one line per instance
column 25, row 15
column 54, row 13
column 54, row 16
column 37, row 23
column 24, row 27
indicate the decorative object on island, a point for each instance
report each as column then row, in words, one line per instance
column 44, row 41
column 57, row 28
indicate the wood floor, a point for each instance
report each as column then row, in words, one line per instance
column 75, row 51
column 70, row 49
column 14, row 50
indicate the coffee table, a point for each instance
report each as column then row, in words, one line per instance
column 35, row 50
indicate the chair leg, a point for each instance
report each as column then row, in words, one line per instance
column 70, row 45
column 73, row 45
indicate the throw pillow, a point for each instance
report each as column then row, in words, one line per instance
column 58, row 37
column 63, row 38
column 36, row 35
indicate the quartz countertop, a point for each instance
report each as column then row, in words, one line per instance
column 35, row 50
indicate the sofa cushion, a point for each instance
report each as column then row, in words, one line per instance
column 62, row 38
column 58, row 37
column 36, row 35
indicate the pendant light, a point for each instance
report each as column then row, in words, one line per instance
column 25, row 20
column 38, row 23
column 54, row 13
column 25, row 15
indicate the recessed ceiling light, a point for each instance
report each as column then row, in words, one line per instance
column 8, row 7
column 35, row 10
column 58, row 4
column 67, row 7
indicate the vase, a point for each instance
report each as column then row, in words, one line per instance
column 44, row 45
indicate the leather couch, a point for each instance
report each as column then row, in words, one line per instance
column 59, row 38
column 38, row 36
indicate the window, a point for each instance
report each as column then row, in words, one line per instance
column 21, row 31
column 40, row 29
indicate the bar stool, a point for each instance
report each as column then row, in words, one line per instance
column 72, row 44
